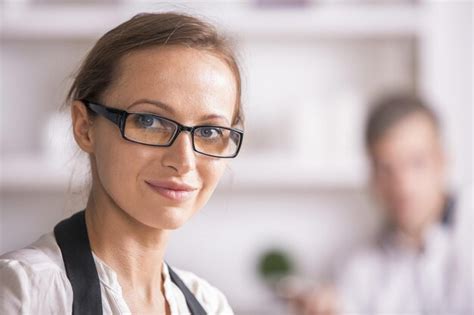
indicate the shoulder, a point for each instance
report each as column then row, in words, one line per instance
column 38, row 260
column 33, row 278
column 38, row 256
column 211, row 298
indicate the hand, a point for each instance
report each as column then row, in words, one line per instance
column 320, row 301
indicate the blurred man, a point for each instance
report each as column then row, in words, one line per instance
column 422, row 263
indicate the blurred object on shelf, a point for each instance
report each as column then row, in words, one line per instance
column 275, row 264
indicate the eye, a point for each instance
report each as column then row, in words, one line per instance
column 209, row 132
column 147, row 121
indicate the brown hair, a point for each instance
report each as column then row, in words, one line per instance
column 145, row 30
column 390, row 110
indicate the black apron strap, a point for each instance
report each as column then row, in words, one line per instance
column 193, row 304
column 71, row 236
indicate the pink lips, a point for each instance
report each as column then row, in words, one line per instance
column 172, row 190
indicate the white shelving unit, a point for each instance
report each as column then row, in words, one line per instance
column 243, row 20
column 37, row 173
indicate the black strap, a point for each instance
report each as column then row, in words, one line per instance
column 71, row 236
column 193, row 304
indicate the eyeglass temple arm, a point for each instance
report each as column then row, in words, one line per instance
column 114, row 115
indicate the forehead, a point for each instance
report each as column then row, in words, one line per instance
column 191, row 81
column 415, row 133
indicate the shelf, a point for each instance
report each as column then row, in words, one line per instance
column 250, row 174
column 39, row 174
column 265, row 173
column 241, row 20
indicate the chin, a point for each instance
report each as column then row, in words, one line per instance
column 166, row 218
column 410, row 223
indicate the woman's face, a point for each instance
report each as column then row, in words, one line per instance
column 162, row 187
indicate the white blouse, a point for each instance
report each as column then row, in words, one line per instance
column 33, row 280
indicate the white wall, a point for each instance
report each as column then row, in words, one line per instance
column 446, row 78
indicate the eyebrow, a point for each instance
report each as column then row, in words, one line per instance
column 214, row 116
column 157, row 103
column 170, row 109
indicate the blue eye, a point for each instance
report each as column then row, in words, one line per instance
column 145, row 121
column 209, row 132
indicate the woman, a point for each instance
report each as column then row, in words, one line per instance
column 156, row 106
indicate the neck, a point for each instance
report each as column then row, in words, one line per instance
column 133, row 250
column 413, row 240
column 414, row 237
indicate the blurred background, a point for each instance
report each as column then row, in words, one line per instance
column 300, row 185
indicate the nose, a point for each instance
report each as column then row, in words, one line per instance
column 404, row 184
column 180, row 156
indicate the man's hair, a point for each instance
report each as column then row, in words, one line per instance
column 390, row 110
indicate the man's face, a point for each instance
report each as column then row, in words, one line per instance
column 408, row 172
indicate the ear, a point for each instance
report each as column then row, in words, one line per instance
column 82, row 126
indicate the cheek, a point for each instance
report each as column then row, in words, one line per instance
column 210, row 172
column 428, row 179
column 383, row 184
column 118, row 162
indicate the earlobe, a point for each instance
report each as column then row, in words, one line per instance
column 82, row 126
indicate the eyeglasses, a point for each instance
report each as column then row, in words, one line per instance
column 154, row 130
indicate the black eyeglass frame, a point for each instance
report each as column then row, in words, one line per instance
column 119, row 117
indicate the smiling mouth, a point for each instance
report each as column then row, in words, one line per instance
column 174, row 192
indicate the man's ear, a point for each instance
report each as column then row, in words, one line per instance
column 82, row 126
